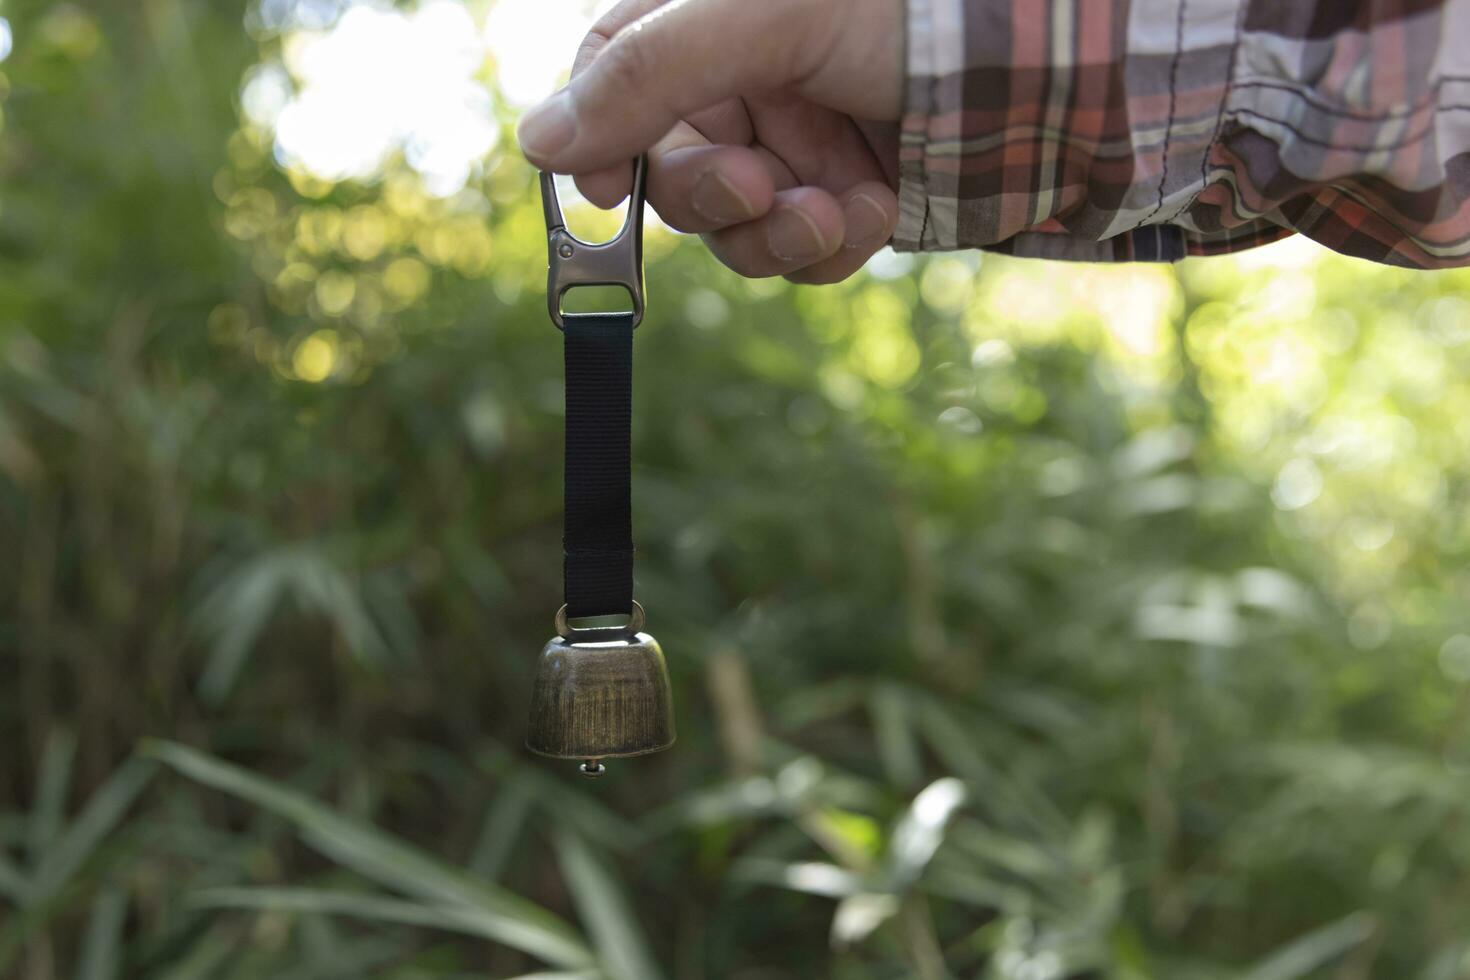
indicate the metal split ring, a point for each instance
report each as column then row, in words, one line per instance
column 565, row 630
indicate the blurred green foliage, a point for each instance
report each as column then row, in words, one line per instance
column 1027, row 621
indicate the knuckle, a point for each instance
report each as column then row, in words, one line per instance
column 592, row 46
column 795, row 46
column 629, row 62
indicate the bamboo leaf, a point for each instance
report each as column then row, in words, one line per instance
column 205, row 957
column 921, row 830
column 858, row 915
column 811, row 877
column 309, row 901
column 235, row 612
column 500, row 915
column 98, row 818
column 13, row 884
column 102, row 945
column 605, row 909
column 51, row 786
column 501, row 830
column 898, row 747
column 1302, row 956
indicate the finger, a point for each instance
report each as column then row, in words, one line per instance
column 882, row 140
column 727, row 121
column 819, row 146
column 607, row 187
column 704, row 188
column 607, row 26
column 803, row 227
column 695, row 187
column 681, row 57
column 870, row 213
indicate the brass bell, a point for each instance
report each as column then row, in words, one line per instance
column 601, row 693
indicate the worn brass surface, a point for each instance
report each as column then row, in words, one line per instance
column 601, row 700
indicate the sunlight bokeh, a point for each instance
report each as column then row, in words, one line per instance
column 533, row 42
column 378, row 82
column 357, row 83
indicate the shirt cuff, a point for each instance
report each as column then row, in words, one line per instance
column 934, row 52
column 1068, row 129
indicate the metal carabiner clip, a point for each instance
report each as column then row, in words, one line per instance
column 573, row 262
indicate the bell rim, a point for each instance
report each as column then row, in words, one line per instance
column 602, row 755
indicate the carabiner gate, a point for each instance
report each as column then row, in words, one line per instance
column 573, row 262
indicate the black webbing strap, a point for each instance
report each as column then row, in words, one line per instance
column 597, row 539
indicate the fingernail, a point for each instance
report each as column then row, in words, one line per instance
column 867, row 222
column 548, row 128
column 714, row 198
column 793, row 236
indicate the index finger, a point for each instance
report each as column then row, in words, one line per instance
column 607, row 186
column 677, row 58
column 619, row 16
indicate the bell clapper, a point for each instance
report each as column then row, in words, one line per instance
column 592, row 768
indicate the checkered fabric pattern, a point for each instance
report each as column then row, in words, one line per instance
column 1118, row 130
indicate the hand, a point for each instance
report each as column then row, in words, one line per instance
column 770, row 125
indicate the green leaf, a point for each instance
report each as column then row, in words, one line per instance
column 501, row 830
column 235, row 612
column 811, row 877
column 605, row 909
column 103, row 941
column 13, row 884
column 898, row 747
column 1302, row 956
column 51, row 786
column 102, row 813
column 961, row 884
column 204, row 958
column 921, row 830
column 500, row 915
column 858, row 915
column 308, row 901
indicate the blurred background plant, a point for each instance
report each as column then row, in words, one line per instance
column 1028, row 621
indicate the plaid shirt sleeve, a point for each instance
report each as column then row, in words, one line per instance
column 1117, row 130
